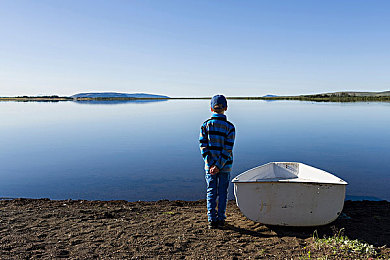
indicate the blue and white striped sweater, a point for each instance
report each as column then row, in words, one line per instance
column 216, row 142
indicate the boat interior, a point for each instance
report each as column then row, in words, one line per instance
column 287, row 172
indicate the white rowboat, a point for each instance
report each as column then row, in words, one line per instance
column 289, row 194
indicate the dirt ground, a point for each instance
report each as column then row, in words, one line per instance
column 79, row 229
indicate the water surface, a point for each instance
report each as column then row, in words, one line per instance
column 149, row 150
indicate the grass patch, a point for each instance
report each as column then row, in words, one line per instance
column 169, row 212
column 340, row 245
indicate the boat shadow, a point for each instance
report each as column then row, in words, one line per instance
column 367, row 221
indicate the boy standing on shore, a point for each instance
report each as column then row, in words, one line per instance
column 216, row 146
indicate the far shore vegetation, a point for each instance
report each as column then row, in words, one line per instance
column 329, row 97
column 53, row 98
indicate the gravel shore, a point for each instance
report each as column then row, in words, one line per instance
column 80, row 229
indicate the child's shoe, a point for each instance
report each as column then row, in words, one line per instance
column 221, row 223
column 213, row 224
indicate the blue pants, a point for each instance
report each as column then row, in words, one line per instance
column 217, row 186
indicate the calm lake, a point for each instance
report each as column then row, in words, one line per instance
column 149, row 150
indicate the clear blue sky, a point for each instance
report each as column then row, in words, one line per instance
column 193, row 48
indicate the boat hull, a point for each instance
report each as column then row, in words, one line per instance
column 290, row 204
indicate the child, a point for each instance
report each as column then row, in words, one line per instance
column 216, row 146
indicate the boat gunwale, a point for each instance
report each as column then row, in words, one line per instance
column 342, row 182
column 290, row 182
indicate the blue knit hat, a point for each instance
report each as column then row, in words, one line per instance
column 219, row 100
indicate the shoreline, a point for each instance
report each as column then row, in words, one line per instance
column 374, row 199
column 43, row 228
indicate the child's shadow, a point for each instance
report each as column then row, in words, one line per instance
column 244, row 231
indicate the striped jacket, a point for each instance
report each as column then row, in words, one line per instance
column 216, row 142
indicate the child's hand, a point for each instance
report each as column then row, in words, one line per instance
column 214, row 170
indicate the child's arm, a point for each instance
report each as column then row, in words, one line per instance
column 203, row 143
column 227, row 151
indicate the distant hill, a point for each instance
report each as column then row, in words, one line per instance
column 116, row 95
column 355, row 94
